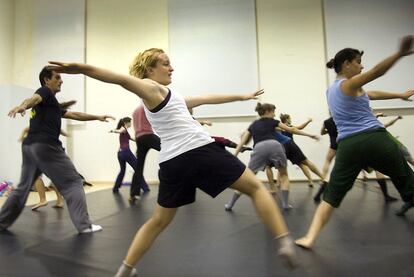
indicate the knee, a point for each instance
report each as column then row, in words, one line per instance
column 160, row 222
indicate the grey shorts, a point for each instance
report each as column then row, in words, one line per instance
column 406, row 153
column 267, row 152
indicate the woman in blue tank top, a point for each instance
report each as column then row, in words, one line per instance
column 362, row 140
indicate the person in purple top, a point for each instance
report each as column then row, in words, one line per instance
column 125, row 154
column 362, row 140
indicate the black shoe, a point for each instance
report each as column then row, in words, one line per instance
column 404, row 208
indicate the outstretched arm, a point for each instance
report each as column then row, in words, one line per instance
column 194, row 101
column 382, row 95
column 388, row 124
column 26, row 104
column 118, row 131
column 243, row 141
column 151, row 92
column 295, row 131
column 204, row 122
column 303, row 125
column 87, row 117
column 354, row 84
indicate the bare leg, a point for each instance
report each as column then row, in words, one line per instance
column 284, row 188
column 269, row 213
column 305, row 171
column 314, row 169
column 148, row 232
column 321, row 217
column 59, row 197
column 329, row 157
column 383, row 186
column 40, row 187
column 270, row 179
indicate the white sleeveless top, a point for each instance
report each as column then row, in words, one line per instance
column 178, row 130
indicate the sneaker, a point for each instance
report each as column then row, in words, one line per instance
column 227, row 207
column 94, row 228
column 405, row 208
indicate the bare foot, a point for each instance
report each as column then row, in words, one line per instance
column 58, row 206
column 39, row 205
column 304, row 242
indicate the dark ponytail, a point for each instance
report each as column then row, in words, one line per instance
column 261, row 109
column 330, row 64
column 346, row 54
column 122, row 121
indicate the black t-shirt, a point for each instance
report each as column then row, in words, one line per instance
column 330, row 126
column 45, row 119
column 263, row 129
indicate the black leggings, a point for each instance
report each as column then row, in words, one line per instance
column 144, row 144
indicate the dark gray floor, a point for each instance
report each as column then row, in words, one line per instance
column 363, row 238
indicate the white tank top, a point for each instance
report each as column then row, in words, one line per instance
column 178, row 130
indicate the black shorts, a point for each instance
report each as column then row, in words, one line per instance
column 334, row 144
column 293, row 152
column 209, row 168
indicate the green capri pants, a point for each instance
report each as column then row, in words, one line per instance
column 375, row 149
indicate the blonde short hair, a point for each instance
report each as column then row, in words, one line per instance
column 143, row 61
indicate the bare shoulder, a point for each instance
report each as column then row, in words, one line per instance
column 158, row 95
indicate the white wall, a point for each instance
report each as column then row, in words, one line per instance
column 291, row 66
column 23, row 55
column 291, row 70
column 115, row 33
column 7, row 40
column 378, row 35
column 10, row 147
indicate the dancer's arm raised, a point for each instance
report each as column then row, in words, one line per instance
column 150, row 91
column 197, row 100
column 353, row 85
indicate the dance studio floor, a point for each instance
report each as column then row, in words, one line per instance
column 364, row 238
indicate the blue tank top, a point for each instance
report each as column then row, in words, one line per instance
column 351, row 114
column 282, row 138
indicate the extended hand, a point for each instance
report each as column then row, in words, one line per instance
column 315, row 137
column 16, row 110
column 69, row 68
column 406, row 46
column 406, row 95
column 254, row 95
column 105, row 118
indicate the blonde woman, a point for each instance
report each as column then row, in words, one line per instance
column 188, row 154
